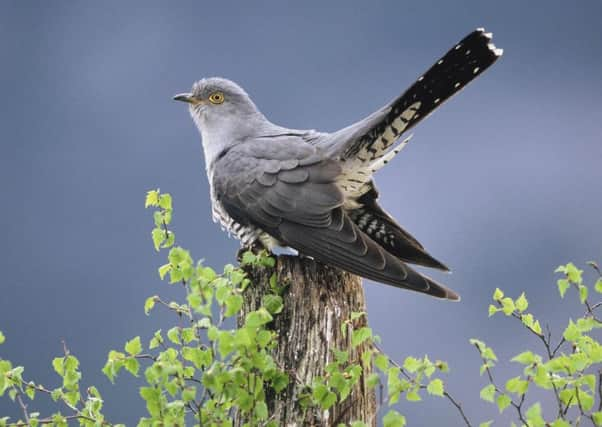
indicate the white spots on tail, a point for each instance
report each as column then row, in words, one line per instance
column 457, row 85
column 476, row 70
column 495, row 50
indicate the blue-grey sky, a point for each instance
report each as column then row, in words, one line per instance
column 502, row 184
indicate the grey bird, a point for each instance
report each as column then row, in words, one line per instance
column 313, row 191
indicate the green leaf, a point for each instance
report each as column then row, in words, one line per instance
column 413, row 396
column 587, row 400
column 516, row 385
column 537, row 327
column 158, row 236
column 134, row 346
column 30, row 390
column 435, row 387
column 132, row 366
column 164, row 269
column 503, row 401
column 273, row 303
column 267, row 261
column 527, row 320
column 248, row 258
column 189, row 394
column 56, row 394
column 360, row 335
column 152, row 198
column 149, row 304
column 563, row 285
column 258, row 318
column 526, row 358
column 233, row 304
column 411, row 364
column 2, row 337
column 488, row 354
column 200, row 358
column 521, row 303
column 486, row 423
column 261, row 410
column 507, row 306
column 492, row 310
column 573, row 273
column 156, row 340
column 597, row 416
column 57, row 364
column 170, row 240
column 357, row 314
column 174, row 335
column 488, row 393
column 207, row 273
column 534, row 416
column 323, row 396
column 394, row 419
column 583, row 291
column 598, row 288
column 571, row 333
column 498, row 295
column 381, row 362
column 188, row 335
column 560, row 423
column 165, row 201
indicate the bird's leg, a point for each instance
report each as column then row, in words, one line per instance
column 256, row 247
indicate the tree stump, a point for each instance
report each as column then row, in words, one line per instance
column 317, row 301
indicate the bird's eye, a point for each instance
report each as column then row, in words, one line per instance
column 216, row 98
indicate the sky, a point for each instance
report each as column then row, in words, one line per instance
column 502, row 184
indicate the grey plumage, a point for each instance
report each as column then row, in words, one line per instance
column 314, row 191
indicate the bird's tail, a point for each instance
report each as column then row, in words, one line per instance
column 370, row 139
column 450, row 74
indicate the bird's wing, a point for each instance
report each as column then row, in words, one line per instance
column 373, row 220
column 369, row 139
column 286, row 187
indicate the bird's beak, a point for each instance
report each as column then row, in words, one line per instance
column 187, row 97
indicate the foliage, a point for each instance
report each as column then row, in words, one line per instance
column 203, row 371
column 569, row 369
column 86, row 408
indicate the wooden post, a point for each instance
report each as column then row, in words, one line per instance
column 317, row 301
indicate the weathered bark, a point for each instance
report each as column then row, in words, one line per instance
column 317, row 301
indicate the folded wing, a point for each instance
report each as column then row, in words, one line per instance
column 297, row 201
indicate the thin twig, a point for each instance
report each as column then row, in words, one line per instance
column 23, row 407
column 518, row 406
column 457, row 404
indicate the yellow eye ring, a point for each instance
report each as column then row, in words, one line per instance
column 216, row 98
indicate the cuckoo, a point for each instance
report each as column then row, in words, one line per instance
column 314, row 191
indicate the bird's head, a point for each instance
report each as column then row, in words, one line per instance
column 218, row 103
